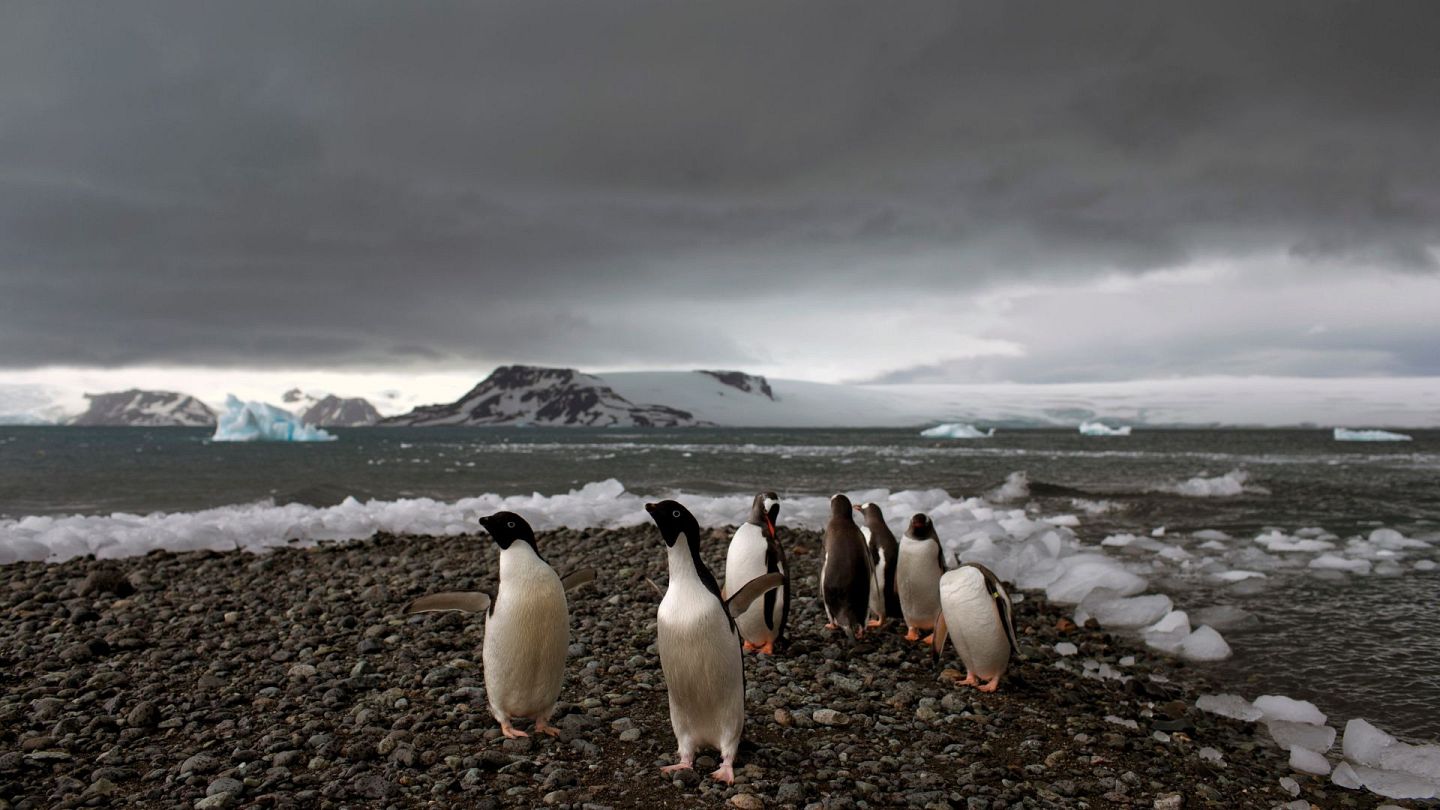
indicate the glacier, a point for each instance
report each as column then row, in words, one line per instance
column 259, row 422
column 1102, row 429
column 1347, row 435
column 956, row 430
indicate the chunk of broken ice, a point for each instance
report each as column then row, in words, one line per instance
column 1166, row 634
column 1066, row 648
column 1135, row 611
column 1232, row 706
column 1304, row 735
column 1204, row 644
column 1306, row 761
column 1333, row 562
column 1279, row 707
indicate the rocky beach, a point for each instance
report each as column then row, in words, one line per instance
column 294, row 679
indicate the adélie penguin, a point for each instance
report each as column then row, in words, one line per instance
column 977, row 612
column 755, row 551
column 700, row 645
column 884, row 553
column 846, row 572
column 527, row 626
column 917, row 576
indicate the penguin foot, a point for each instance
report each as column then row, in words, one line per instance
column 545, row 728
column 928, row 639
column 970, row 680
column 768, row 649
column 682, row 765
column 751, row 647
column 830, row 626
column 990, row 685
column 725, row 773
column 511, row 732
column 874, row 623
column 913, row 635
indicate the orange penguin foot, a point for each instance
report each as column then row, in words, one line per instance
column 725, row 773
column 990, row 685
column 769, row 648
column 511, row 732
column 831, row 626
column 928, row 639
column 682, row 765
column 751, row 647
column 970, row 680
column 913, row 635
column 874, row 623
column 545, row 728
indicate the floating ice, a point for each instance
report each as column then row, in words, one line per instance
column 1426, row 565
column 1278, row 541
column 259, row 422
column 1232, row 706
column 1222, row 486
column 1306, row 761
column 1015, row 488
column 1112, row 612
column 1238, row 575
column 1205, row 644
column 1330, row 562
column 1167, row 633
column 956, row 430
column 1102, row 429
column 1086, row 572
column 1346, row 435
column 1279, row 707
column 1304, row 735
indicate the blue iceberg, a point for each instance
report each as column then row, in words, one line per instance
column 956, row 430
column 1345, row 435
column 1102, row 429
column 259, row 422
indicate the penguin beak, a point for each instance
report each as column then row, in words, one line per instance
column 651, row 507
column 857, row 508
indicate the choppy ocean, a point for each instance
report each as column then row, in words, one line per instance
column 1342, row 616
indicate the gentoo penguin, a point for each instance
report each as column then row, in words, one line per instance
column 976, row 609
column 527, row 626
column 700, row 646
column 884, row 600
column 917, row 576
column 846, row 573
column 754, row 551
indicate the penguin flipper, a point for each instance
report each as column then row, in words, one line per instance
column 751, row 591
column 467, row 601
column 1007, row 619
column 576, row 578
column 940, row 636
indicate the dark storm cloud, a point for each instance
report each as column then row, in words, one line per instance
column 375, row 184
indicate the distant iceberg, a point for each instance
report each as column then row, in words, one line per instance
column 259, row 422
column 956, row 430
column 1347, row 435
column 1101, row 429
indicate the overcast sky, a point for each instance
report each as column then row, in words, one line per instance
column 1000, row 191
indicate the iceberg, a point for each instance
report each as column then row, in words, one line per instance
column 1347, row 435
column 956, row 430
column 1102, row 429
column 259, row 422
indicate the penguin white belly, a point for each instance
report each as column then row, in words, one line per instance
column 917, row 580
column 745, row 561
column 526, row 637
column 877, row 588
column 700, row 657
column 974, row 623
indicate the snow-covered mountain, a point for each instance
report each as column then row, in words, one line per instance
column 531, row 395
column 145, row 409
column 333, row 411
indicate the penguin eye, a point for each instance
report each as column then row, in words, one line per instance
column 510, row 525
column 676, row 513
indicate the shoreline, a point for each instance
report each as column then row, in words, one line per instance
column 293, row 679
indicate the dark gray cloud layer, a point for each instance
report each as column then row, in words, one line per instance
column 386, row 184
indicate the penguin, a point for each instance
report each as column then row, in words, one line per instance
column 755, row 550
column 527, row 626
column 699, row 644
column 846, row 572
column 884, row 552
column 917, row 576
column 976, row 609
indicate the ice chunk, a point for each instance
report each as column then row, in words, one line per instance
column 1364, row 743
column 1224, row 617
column 1345, row 777
column 1419, row 760
column 1279, row 707
column 1166, row 634
column 1392, row 540
column 1205, row 644
column 1396, row 784
column 1332, row 562
column 1065, row 648
column 1278, row 541
column 1086, row 572
column 1238, row 575
column 1102, row 429
column 1212, row 534
column 1136, row 611
column 1122, row 721
column 1211, row 755
column 1015, row 488
column 259, row 422
column 1305, row 735
column 1426, row 565
column 1223, row 486
column 1290, row 786
column 1306, row 761
column 1232, row 706
column 956, row 430
column 1346, row 435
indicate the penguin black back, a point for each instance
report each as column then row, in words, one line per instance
column 847, row 568
column 884, row 540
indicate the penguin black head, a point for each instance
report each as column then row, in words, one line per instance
column 507, row 527
column 765, row 509
column 673, row 521
column 840, row 506
column 870, row 510
column 920, row 526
